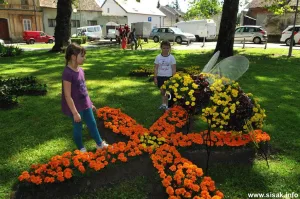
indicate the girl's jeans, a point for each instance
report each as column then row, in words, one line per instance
column 88, row 117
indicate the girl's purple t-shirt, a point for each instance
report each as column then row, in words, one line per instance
column 79, row 91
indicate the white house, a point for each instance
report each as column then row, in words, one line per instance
column 134, row 11
column 172, row 15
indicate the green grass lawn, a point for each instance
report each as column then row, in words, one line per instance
column 37, row 130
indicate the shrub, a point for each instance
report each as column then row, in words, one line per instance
column 84, row 39
column 77, row 40
column 9, row 51
column 11, row 88
column 142, row 72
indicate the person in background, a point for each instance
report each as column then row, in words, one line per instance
column 124, row 43
column 133, row 41
column 139, row 43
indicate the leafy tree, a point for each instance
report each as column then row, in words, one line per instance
column 227, row 28
column 3, row 2
column 158, row 4
column 62, row 30
column 203, row 9
column 176, row 5
column 279, row 7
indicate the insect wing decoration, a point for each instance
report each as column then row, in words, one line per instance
column 232, row 67
column 213, row 60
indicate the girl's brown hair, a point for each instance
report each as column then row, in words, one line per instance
column 73, row 49
column 165, row 43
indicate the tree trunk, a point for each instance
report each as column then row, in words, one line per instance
column 227, row 28
column 63, row 25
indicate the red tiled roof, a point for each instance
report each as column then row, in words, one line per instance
column 87, row 5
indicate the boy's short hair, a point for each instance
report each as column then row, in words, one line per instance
column 165, row 43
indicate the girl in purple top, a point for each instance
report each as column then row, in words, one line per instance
column 76, row 102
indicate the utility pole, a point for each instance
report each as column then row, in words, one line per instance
column 292, row 36
column 34, row 8
column 79, row 14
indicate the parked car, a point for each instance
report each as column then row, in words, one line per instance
column 111, row 34
column 287, row 33
column 30, row 37
column 1, row 41
column 254, row 34
column 171, row 33
column 92, row 32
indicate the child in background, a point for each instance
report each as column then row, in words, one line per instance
column 164, row 69
column 76, row 102
column 139, row 42
column 124, row 42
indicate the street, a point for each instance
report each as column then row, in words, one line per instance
column 212, row 45
column 183, row 46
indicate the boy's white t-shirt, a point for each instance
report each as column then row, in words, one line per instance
column 165, row 65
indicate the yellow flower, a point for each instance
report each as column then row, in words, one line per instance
column 174, row 99
column 193, row 104
column 187, row 103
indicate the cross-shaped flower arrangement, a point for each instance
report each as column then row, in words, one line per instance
column 180, row 177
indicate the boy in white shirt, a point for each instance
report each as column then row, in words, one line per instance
column 164, row 69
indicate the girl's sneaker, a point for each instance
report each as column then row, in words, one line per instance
column 83, row 150
column 163, row 107
column 102, row 145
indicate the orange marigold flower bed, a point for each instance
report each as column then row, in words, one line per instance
column 180, row 177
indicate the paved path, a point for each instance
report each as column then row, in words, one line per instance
column 195, row 46
column 212, row 45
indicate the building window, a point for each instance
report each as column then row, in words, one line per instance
column 107, row 10
column 75, row 23
column 24, row 4
column 51, row 22
column 26, row 24
column 92, row 22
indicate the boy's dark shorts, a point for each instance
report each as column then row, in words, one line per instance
column 161, row 80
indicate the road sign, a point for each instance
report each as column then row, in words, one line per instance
column 149, row 19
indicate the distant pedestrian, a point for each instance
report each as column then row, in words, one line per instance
column 133, row 41
column 139, row 43
column 124, row 43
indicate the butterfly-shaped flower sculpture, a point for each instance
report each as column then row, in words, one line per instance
column 180, row 177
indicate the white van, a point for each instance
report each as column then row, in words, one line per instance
column 205, row 28
column 92, row 32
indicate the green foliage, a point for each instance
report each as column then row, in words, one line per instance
column 3, row 2
column 158, row 4
column 11, row 88
column 9, row 51
column 142, row 72
column 279, row 7
column 203, row 9
column 77, row 40
column 175, row 5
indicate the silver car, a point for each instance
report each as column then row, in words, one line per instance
column 250, row 33
column 171, row 34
